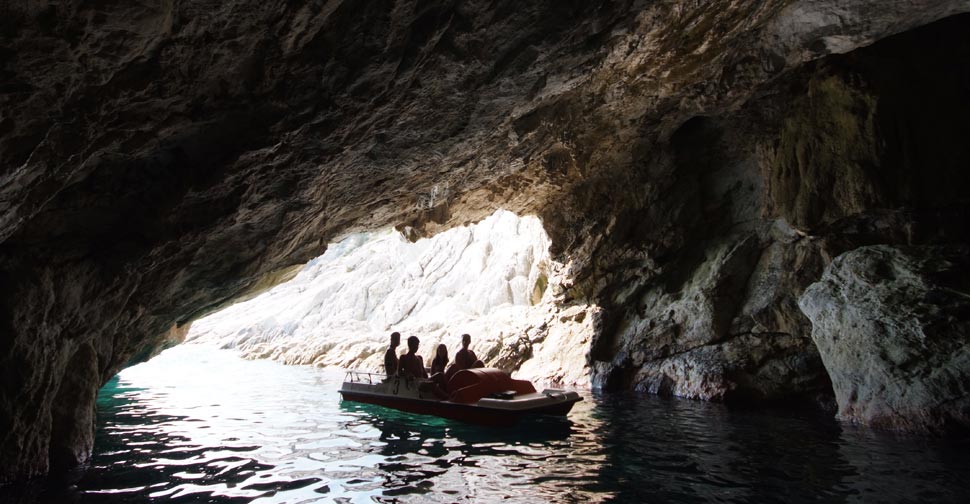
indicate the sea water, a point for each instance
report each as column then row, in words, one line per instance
column 198, row 424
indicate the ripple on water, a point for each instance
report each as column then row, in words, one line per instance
column 197, row 424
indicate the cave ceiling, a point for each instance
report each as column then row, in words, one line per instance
column 159, row 160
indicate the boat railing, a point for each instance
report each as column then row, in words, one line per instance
column 354, row 376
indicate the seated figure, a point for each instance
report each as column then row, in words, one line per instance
column 464, row 358
column 438, row 367
column 411, row 363
column 440, row 360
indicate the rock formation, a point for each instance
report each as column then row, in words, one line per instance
column 893, row 327
column 493, row 280
column 696, row 166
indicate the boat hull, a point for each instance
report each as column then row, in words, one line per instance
column 401, row 395
column 461, row 412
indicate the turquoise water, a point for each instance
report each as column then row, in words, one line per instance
column 201, row 425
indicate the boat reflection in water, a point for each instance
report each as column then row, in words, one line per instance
column 442, row 459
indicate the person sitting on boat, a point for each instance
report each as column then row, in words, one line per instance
column 440, row 360
column 390, row 356
column 411, row 363
column 464, row 358
column 438, row 365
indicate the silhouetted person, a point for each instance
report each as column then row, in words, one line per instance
column 440, row 360
column 412, row 363
column 390, row 356
column 438, row 365
column 465, row 358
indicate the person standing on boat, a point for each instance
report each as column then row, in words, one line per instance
column 411, row 363
column 390, row 356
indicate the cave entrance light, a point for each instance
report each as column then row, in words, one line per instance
column 494, row 280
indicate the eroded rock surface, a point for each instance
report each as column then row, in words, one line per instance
column 158, row 161
column 700, row 287
column 893, row 327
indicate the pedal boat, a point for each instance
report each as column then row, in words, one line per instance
column 485, row 396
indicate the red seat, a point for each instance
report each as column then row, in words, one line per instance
column 470, row 385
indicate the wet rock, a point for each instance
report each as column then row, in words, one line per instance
column 892, row 325
column 747, row 368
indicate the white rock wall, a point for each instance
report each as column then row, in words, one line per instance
column 479, row 279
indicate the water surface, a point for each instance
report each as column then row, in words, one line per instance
column 201, row 425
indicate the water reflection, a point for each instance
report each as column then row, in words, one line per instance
column 426, row 455
column 202, row 425
column 681, row 451
column 699, row 452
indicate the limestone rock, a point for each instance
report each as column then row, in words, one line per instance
column 748, row 368
column 892, row 325
column 840, row 170
column 704, row 340
column 478, row 279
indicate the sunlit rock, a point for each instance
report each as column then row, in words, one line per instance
column 488, row 279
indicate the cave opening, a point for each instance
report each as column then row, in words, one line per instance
column 494, row 279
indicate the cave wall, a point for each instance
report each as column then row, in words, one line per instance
column 850, row 150
column 161, row 160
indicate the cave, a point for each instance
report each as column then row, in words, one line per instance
column 755, row 202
